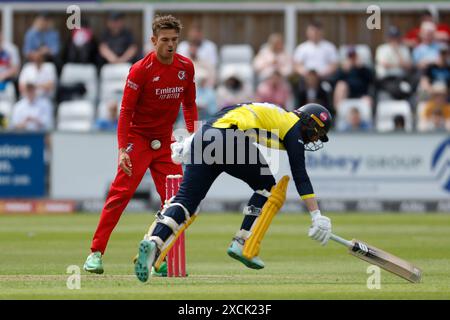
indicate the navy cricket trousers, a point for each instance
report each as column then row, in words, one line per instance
column 215, row 151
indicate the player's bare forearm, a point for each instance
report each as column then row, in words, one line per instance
column 311, row 204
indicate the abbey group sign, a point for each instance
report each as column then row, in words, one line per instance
column 383, row 167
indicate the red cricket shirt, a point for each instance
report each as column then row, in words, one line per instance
column 152, row 97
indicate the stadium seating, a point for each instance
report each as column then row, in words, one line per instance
column 243, row 70
column 102, row 110
column 346, row 105
column 77, row 115
column 115, row 71
column 112, row 80
column 112, row 90
column 237, row 59
column 236, row 53
column 85, row 73
column 387, row 110
column 363, row 52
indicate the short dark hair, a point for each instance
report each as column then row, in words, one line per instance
column 43, row 14
column 399, row 120
column 315, row 24
column 116, row 15
column 313, row 72
column 167, row 22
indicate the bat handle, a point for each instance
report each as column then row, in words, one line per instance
column 342, row 241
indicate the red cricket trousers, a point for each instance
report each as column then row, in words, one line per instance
column 142, row 157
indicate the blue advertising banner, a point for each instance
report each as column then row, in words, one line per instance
column 22, row 169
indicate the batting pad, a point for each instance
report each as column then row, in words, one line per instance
column 171, row 241
column 271, row 207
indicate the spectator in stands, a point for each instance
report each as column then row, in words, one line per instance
column 110, row 123
column 82, row 45
column 274, row 89
column 412, row 37
column 273, row 57
column 43, row 74
column 354, row 122
column 117, row 44
column 207, row 50
column 42, row 40
column 427, row 52
column 352, row 80
column 9, row 63
column 436, row 113
column 438, row 122
column 316, row 53
column 205, row 95
column 32, row 112
column 393, row 65
column 233, row 89
column 3, row 121
column 310, row 89
column 202, row 66
column 437, row 72
column 399, row 122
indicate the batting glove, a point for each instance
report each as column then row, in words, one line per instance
column 177, row 152
column 181, row 150
column 320, row 229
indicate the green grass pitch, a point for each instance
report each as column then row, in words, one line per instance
column 35, row 252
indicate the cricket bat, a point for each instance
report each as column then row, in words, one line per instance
column 381, row 258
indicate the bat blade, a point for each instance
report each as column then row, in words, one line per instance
column 385, row 260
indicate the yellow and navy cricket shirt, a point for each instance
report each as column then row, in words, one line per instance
column 282, row 129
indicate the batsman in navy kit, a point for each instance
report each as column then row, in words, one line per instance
column 226, row 143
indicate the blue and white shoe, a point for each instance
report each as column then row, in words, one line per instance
column 235, row 251
column 145, row 259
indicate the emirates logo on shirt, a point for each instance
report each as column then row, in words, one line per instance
column 182, row 75
column 169, row 92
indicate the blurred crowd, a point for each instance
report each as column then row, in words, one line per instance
column 77, row 84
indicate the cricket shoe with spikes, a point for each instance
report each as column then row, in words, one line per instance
column 94, row 263
column 145, row 259
column 235, row 251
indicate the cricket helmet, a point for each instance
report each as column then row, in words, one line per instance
column 316, row 121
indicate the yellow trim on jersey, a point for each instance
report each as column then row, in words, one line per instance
column 260, row 117
column 319, row 122
column 308, row 196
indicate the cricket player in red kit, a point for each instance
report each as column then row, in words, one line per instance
column 155, row 88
